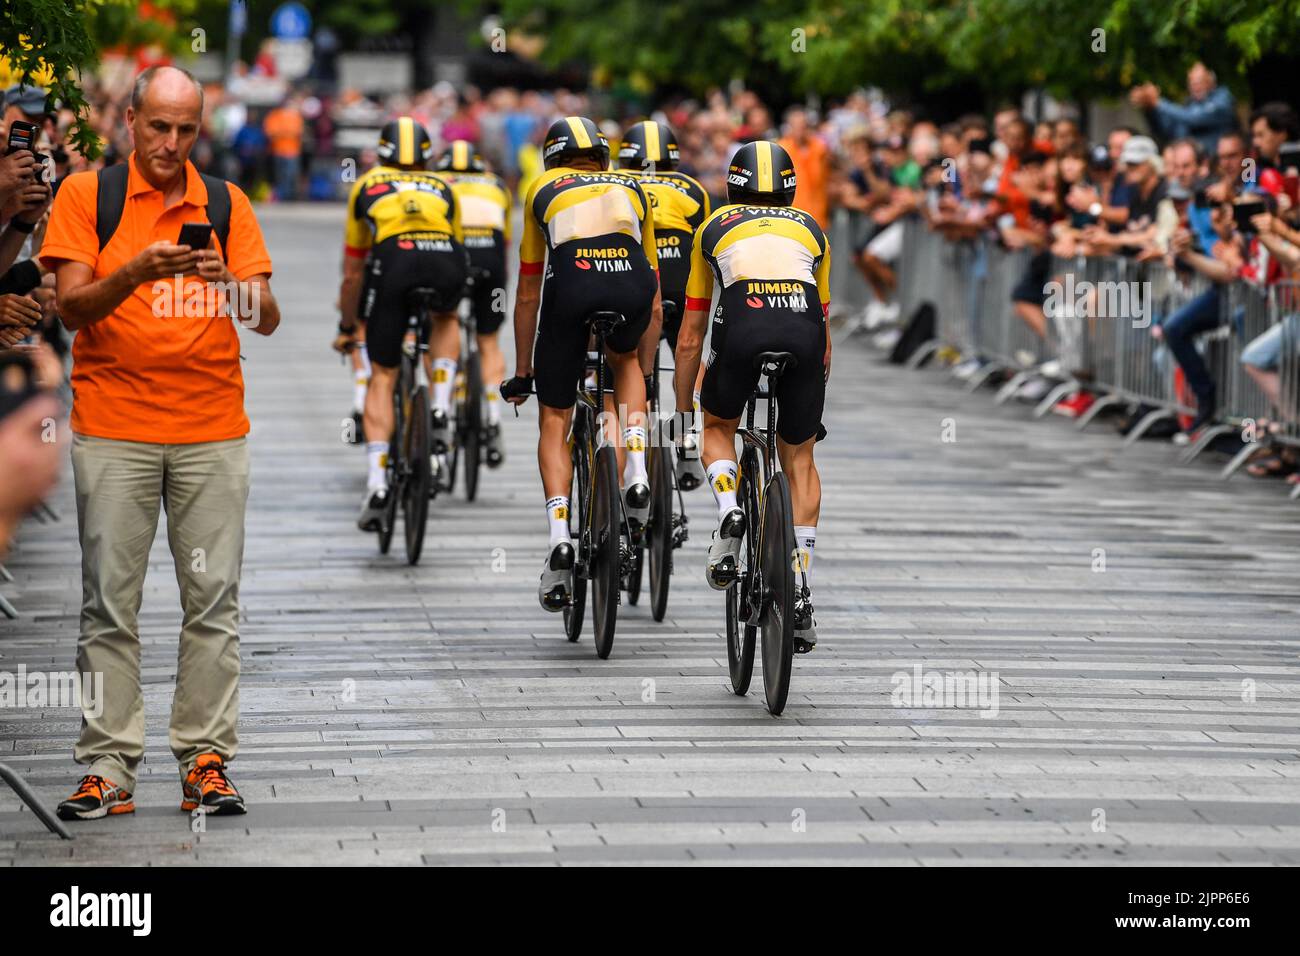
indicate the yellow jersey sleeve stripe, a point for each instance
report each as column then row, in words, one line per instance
column 579, row 132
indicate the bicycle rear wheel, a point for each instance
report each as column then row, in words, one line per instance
column 415, row 491
column 777, row 555
column 576, row 611
column 659, row 534
column 471, row 425
column 742, row 637
column 394, row 468
column 606, row 535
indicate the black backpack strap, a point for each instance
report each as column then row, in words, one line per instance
column 110, row 201
column 219, row 209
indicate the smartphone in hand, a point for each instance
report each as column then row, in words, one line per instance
column 22, row 135
column 196, row 235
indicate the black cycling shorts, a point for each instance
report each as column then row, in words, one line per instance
column 605, row 274
column 487, row 251
column 747, row 323
column 674, row 247
column 397, row 265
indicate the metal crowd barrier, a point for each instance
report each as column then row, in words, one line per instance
column 1099, row 334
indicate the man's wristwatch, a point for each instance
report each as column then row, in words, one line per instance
column 347, row 329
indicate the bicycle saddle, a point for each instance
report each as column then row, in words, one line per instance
column 605, row 322
column 774, row 363
column 422, row 297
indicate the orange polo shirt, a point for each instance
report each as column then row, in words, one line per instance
column 166, row 378
column 811, row 170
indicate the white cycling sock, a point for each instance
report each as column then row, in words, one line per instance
column 377, row 453
column 359, row 388
column 444, row 378
column 493, row 395
column 722, row 479
column 805, row 535
column 634, row 468
column 557, row 513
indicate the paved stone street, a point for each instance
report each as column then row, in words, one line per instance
column 1147, row 713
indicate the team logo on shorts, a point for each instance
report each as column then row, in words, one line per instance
column 582, row 264
column 405, row 244
column 754, row 302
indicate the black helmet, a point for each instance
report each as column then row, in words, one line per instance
column 404, row 142
column 648, row 143
column 571, row 137
column 460, row 156
column 761, row 173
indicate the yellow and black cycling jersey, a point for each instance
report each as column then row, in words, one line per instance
column 483, row 199
column 567, row 204
column 387, row 202
column 677, row 201
column 765, row 247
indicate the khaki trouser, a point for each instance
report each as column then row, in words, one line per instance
column 120, row 485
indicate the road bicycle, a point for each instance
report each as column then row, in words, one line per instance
column 603, row 549
column 762, row 596
column 412, row 480
column 666, row 528
column 469, row 434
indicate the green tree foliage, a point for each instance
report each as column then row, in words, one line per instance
column 1075, row 48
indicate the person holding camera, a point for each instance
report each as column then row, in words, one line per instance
column 158, row 421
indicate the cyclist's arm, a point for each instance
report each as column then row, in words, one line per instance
column 690, row 337
column 824, row 295
column 354, row 269
column 528, row 295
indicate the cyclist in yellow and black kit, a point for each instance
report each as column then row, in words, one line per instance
column 592, row 231
column 772, row 262
column 484, row 203
column 679, row 206
column 403, row 231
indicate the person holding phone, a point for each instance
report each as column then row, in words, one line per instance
column 158, row 421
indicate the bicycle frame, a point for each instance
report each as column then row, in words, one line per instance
column 763, row 443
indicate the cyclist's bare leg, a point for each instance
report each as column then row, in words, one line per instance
column 553, row 460
column 492, row 360
column 805, row 483
column 379, row 402
column 629, row 394
column 718, row 440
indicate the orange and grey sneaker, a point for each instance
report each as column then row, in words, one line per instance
column 96, row 797
column 208, row 789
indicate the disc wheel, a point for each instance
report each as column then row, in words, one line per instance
column 415, row 459
column 777, row 556
column 742, row 637
column 606, row 535
column 471, row 424
column 659, row 533
column 577, row 609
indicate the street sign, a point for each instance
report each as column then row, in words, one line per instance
column 291, row 21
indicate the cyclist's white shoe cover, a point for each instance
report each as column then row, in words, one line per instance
column 556, row 587
column 724, row 550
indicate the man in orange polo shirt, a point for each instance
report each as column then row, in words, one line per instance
column 812, row 165
column 158, row 419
